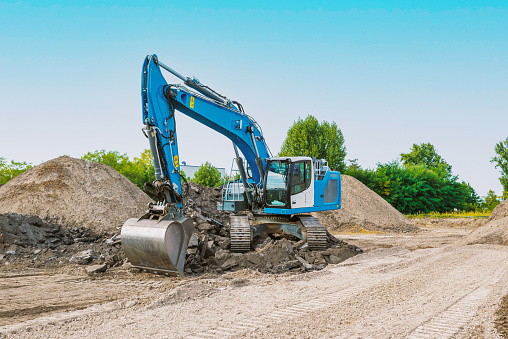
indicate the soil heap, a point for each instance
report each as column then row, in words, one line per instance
column 74, row 192
column 500, row 212
column 495, row 231
column 362, row 208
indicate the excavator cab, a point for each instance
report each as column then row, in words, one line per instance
column 299, row 185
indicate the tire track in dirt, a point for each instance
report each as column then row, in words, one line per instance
column 444, row 324
column 403, row 265
column 451, row 321
column 390, row 294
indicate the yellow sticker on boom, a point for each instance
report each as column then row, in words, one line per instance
column 175, row 158
column 191, row 102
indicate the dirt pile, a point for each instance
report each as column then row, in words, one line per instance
column 493, row 232
column 74, row 192
column 362, row 208
column 500, row 212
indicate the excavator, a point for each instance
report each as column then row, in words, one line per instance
column 270, row 195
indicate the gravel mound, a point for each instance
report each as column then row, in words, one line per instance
column 500, row 212
column 493, row 232
column 74, row 192
column 362, row 208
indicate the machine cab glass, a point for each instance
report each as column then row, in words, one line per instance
column 276, row 183
column 285, row 179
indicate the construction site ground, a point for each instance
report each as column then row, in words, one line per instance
column 415, row 285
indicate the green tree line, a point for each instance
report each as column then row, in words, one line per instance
column 141, row 170
column 9, row 170
column 138, row 170
column 421, row 181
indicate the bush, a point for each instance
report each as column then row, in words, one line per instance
column 11, row 170
column 139, row 171
column 208, row 175
column 415, row 189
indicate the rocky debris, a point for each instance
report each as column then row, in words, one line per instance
column 362, row 208
column 201, row 205
column 96, row 269
column 84, row 257
column 32, row 231
column 74, row 192
column 275, row 253
column 28, row 241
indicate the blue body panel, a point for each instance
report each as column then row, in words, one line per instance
column 225, row 120
column 289, row 211
column 319, row 204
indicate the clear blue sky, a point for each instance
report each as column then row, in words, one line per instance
column 389, row 73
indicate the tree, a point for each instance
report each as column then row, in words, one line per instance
column 207, row 175
column 425, row 154
column 501, row 161
column 417, row 188
column 138, row 171
column 12, row 169
column 313, row 139
column 145, row 162
column 491, row 200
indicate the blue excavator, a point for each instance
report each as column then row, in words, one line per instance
column 270, row 195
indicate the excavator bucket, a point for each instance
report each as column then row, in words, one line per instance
column 157, row 246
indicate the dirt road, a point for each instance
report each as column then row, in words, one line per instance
column 389, row 292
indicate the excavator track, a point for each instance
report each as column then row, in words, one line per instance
column 316, row 233
column 241, row 234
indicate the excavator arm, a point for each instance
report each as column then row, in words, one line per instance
column 160, row 100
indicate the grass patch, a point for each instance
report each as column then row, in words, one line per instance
column 451, row 215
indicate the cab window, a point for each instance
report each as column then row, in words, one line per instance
column 276, row 183
column 301, row 176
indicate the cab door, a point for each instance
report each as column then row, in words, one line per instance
column 301, row 179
